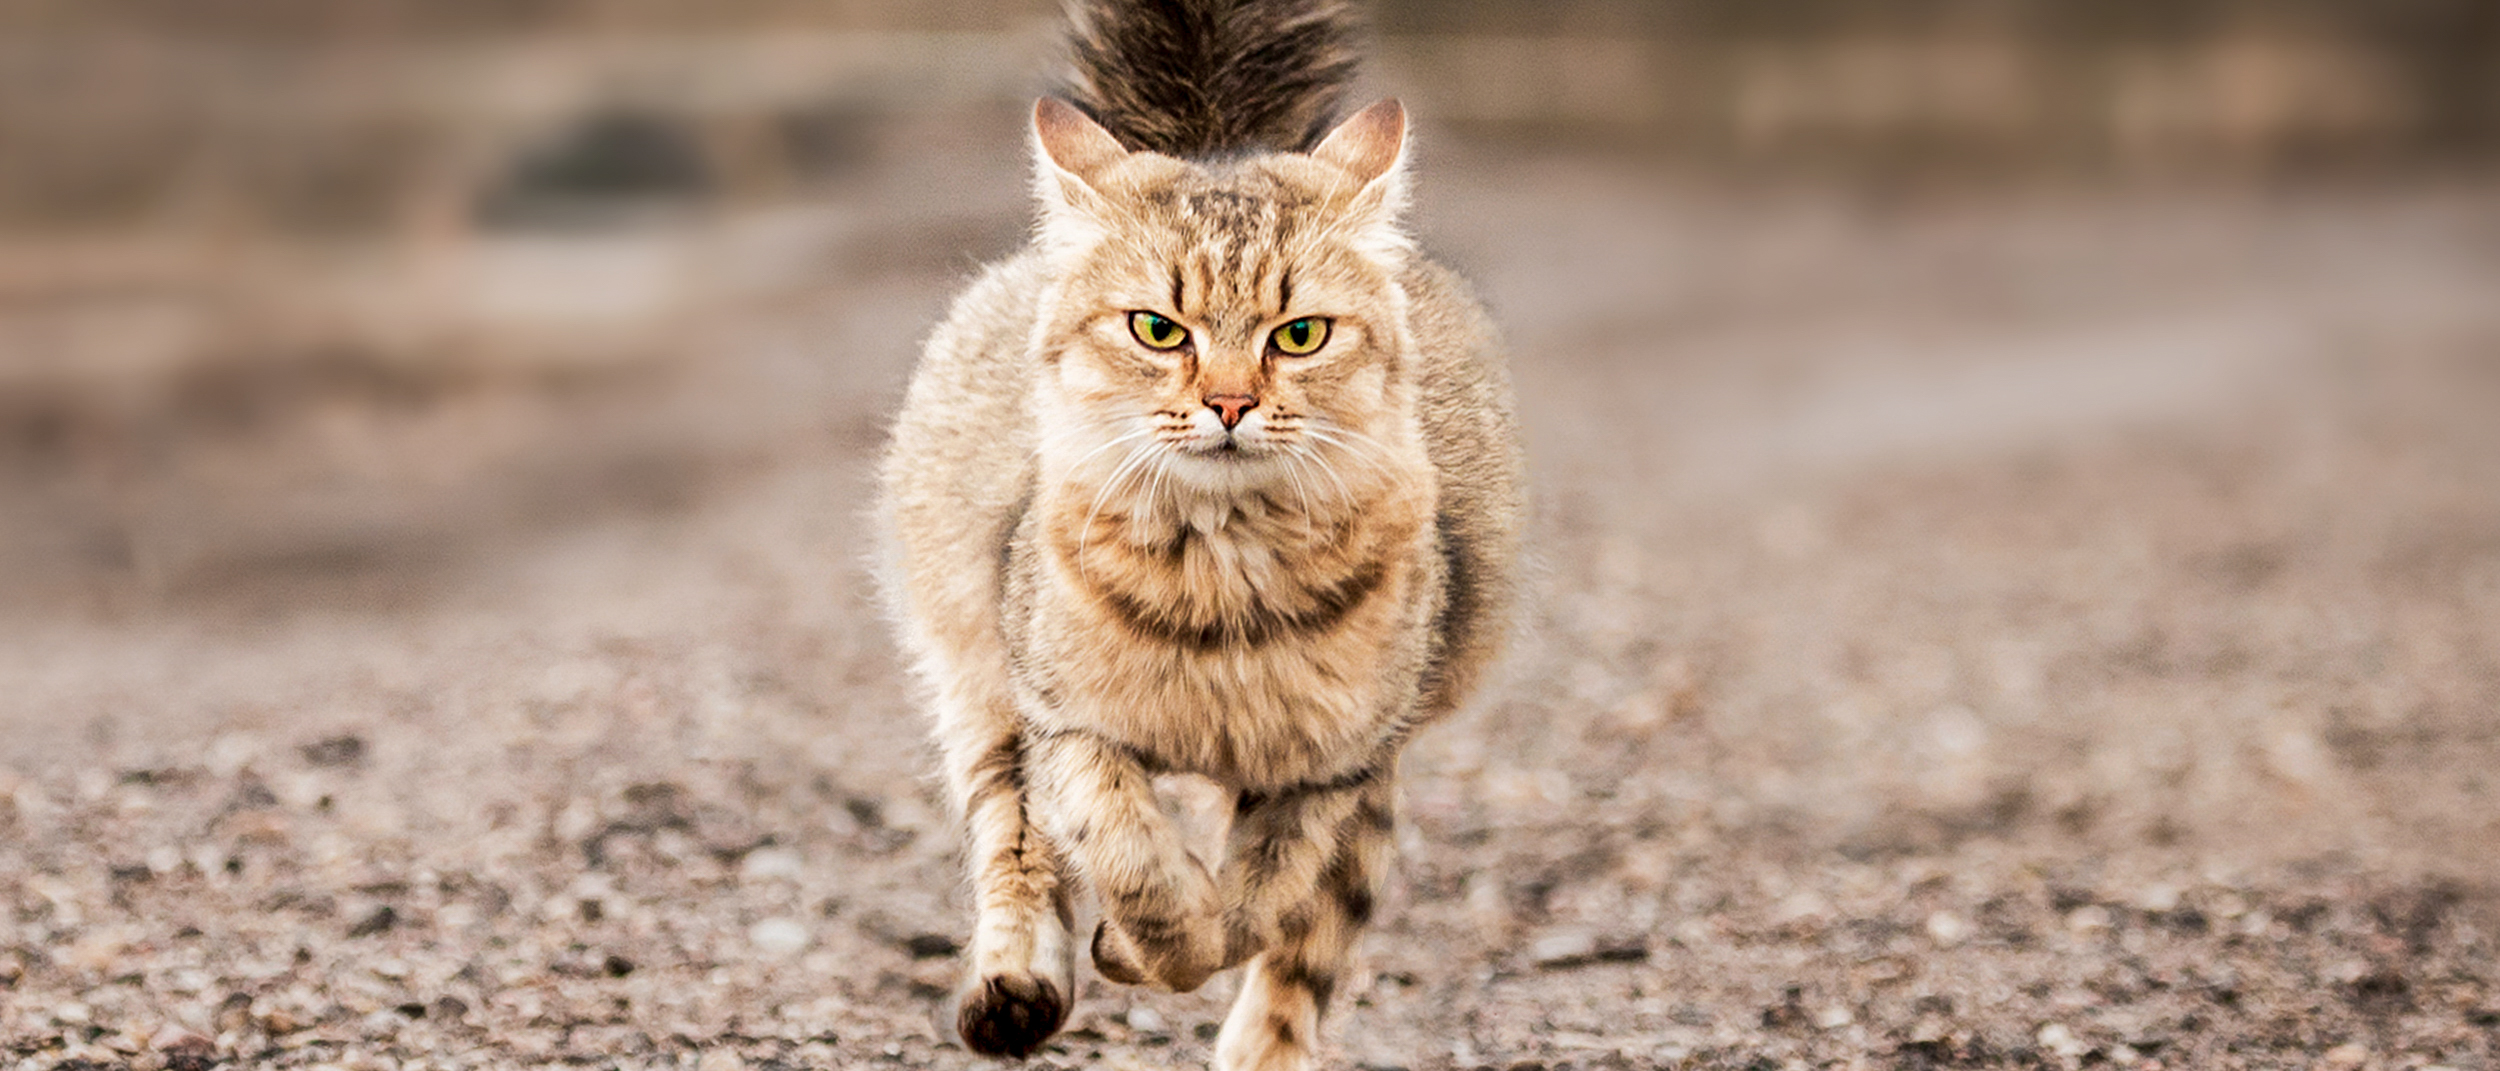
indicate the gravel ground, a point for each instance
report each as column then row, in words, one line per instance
column 2012, row 630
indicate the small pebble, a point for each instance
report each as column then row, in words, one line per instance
column 929, row 945
column 768, row 863
column 1563, row 949
column 176, row 1039
column 1947, row 929
column 778, row 936
column 2057, row 1039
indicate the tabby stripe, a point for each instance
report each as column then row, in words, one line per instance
column 1261, row 626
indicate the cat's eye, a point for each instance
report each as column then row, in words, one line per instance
column 1156, row 332
column 1301, row 337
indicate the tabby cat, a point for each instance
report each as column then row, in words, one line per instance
column 1219, row 477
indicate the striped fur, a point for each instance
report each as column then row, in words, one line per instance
column 1101, row 581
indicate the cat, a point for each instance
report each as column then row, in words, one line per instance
column 1218, row 477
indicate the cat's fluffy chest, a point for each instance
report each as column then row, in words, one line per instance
column 1245, row 640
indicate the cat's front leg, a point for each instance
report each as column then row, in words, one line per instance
column 1022, row 971
column 1161, row 907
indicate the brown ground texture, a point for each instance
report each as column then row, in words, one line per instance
column 2018, row 629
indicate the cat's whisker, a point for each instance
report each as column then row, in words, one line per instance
column 1345, row 492
column 1384, row 455
column 1293, row 471
column 1091, row 454
column 1129, row 465
column 1373, row 455
column 1154, row 488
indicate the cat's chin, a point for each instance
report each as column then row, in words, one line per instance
column 1228, row 468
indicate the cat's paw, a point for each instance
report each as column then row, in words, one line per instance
column 1010, row 1014
column 1115, row 958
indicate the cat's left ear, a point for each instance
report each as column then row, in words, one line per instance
column 1371, row 147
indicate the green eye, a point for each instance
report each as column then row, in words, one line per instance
column 1301, row 337
column 1156, row 332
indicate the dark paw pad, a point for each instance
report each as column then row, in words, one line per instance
column 1112, row 959
column 1010, row 1015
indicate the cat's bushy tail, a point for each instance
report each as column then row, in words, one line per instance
column 1198, row 78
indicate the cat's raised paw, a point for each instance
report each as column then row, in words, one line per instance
column 1114, row 958
column 1010, row 1014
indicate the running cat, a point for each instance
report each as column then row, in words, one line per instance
column 1219, row 477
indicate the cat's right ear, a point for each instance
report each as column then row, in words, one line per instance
column 1071, row 141
column 1070, row 151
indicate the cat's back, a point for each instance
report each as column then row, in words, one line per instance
column 959, row 466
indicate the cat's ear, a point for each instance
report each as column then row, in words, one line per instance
column 1371, row 147
column 1070, row 151
column 1071, row 141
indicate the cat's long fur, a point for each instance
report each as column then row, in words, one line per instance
column 1113, row 561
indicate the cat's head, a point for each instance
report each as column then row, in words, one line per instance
column 1227, row 318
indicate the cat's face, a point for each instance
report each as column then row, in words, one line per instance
column 1222, row 325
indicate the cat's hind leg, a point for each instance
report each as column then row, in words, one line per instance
column 1021, row 977
column 1309, row 930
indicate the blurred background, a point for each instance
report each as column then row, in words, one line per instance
column 2062, row 431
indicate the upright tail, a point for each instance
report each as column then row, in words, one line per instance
column 1198, row 78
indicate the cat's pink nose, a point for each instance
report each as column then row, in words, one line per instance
column 1230, row 407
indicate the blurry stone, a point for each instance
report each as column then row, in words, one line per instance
column 2056, row 1038
column 1574, row 948
column 1834, row 1017
column 721, row 1060
column 379, row 921
column 769, row 863
column 2298, row 757
column 2088, row 917
column 176, row 1039
column 1145, row 1020
column 1563, row 949
column 234, row 1013
column 1947, row 929
column 2227, row 905
column 346, row 749
column 2348, row 1054
column 1804, row 909
column 929, row 945
column 2158, row 898
column 1789, row 1012
column 778, row 936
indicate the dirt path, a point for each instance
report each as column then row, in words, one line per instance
column 2008, row 631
